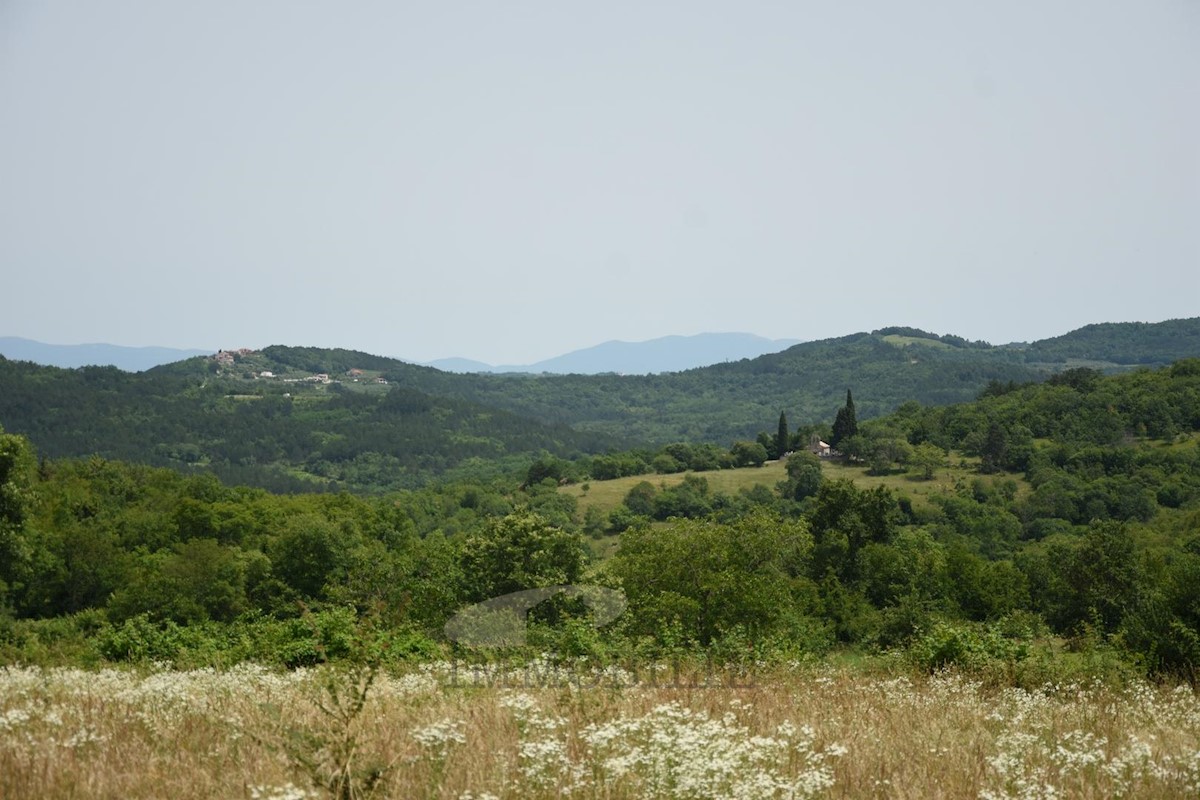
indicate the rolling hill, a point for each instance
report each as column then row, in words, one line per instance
column 290, row 434
column 291, row 417
column 732, row 400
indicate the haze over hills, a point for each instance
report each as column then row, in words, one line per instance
column 664, row 354
column 130, row 359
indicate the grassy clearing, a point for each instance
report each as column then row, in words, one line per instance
column 961, row 470
column 607, row 495
column 904, row 341
column 657, row 733
column 1181, row 442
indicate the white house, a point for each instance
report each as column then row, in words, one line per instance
column 819, row 448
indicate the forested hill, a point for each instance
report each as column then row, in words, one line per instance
column 289, row 436
column 292, row 418
column 717, row 404
column 1123, row 343
column 734, row 400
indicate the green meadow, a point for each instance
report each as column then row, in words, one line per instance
column 608, row 495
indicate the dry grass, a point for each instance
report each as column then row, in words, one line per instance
column 804, row 732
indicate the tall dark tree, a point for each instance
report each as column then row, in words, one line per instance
column 781, row 436
column 845, row 424
column 995, row 448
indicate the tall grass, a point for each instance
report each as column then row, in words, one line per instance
column 437, row 732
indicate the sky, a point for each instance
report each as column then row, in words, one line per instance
column 508, row 181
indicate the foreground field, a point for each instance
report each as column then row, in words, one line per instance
column 442, row 732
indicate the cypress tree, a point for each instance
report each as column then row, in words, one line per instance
column 995, row 447
column 839, row 427
column 781, row 436
column 845, row 424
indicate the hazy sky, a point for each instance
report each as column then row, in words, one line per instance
column 507, row 181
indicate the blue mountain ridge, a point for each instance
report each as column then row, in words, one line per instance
column 664, row 354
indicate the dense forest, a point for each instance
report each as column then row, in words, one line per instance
column 1075, row 535
column 1121, row 343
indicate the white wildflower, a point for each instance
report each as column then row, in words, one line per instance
column 440, row 736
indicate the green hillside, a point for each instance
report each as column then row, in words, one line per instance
column 289, row 432
column 734, row 400
column 292, row 418
column 719, row 403
column 1141, row 343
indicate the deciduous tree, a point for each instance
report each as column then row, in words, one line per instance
column 804, row 476
column 748, row 454
column 16, row 479
column 927, row 458
column 520, row 551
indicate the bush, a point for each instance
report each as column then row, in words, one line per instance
column 315, row 638
column 137, row 639
column 967, row 647
column 664, row 464
column 60, row 641
column 640, row 499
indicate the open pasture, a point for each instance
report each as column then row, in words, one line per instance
column 607, row 495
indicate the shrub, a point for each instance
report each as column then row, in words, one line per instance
column 964, row 646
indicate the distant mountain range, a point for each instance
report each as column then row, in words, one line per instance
column 130, row 359
column 664, row 354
